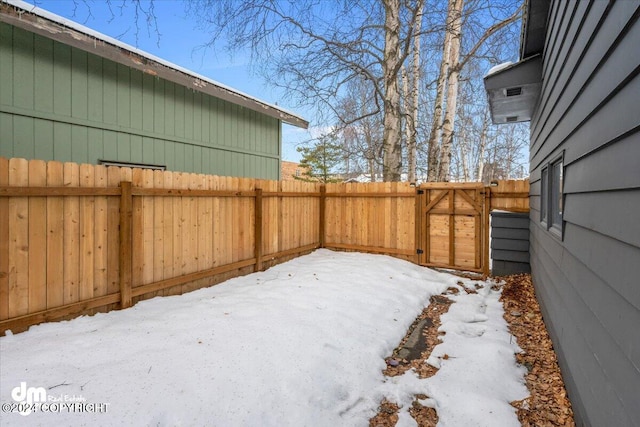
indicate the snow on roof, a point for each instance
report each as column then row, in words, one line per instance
column 110, row 40
column 495, row 69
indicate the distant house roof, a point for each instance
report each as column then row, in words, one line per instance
column 29, row 17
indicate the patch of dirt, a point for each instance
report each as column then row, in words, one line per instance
column 387, row 415
column 548, row 404
column 439, row 304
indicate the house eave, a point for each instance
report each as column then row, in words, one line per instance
column 31, row 18
column 534, row 27
column 513, row 91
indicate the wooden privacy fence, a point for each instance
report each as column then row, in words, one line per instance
column 76, row 239
column 375, row 217
column 453, row 230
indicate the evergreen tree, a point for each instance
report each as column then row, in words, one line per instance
column 320, row 159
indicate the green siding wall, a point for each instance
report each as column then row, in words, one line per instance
column 62, row 103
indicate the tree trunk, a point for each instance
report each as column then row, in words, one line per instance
column 448, row 125
column 412, row 102
column 464, row 154
column 392, row 135
column 436, row 122
column 408, row 125
column 482, row 147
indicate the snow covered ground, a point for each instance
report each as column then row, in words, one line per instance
column 301, row 344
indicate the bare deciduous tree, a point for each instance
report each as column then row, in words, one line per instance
column 313, row 49
column 442, row 133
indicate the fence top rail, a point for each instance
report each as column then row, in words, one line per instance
column 440, row 185
column 173, row 192
column 161, row 192
column 290, row 194
column 58, row 191
column 361, row 194
column 509, row 194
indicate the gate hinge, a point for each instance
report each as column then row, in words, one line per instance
column 420, row 191
column 419, row 251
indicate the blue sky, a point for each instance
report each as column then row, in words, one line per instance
column 180, row 42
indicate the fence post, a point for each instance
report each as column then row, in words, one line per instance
column 485, row 240
column 258, row 230
column 126, row 243
column 418, row 220
column 321, row 223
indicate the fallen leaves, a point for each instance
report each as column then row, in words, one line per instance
column 548, row 404
column 387, row 415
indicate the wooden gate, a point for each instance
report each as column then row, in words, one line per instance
column 453, row 230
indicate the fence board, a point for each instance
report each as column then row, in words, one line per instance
column 87, row 223
column 148, row 211
column 393, row 217
column 19, row 238
column 284, row 220
column 387, row 216
column 113, row 238
column 192, row 215
column 37, row 239
column 71, row 258
column 178, row 225
column 137, row 230
column 205, row 227
column 302, row 219
column 407, row 239
column 381, row 221
column 55, row 238
column 158, row 229
column 100, row 235
column 167, row 230
column 304, row 205
column 226, row 219
column 126, row 244
column 216, row 224
column 4, row 242
column 233, row 212
column 247, row 215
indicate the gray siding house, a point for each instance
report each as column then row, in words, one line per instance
column 69, row 93
column 578, row 83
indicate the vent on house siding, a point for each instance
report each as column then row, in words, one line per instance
column 514, row 91
column 512, row 119
column 131, row 164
